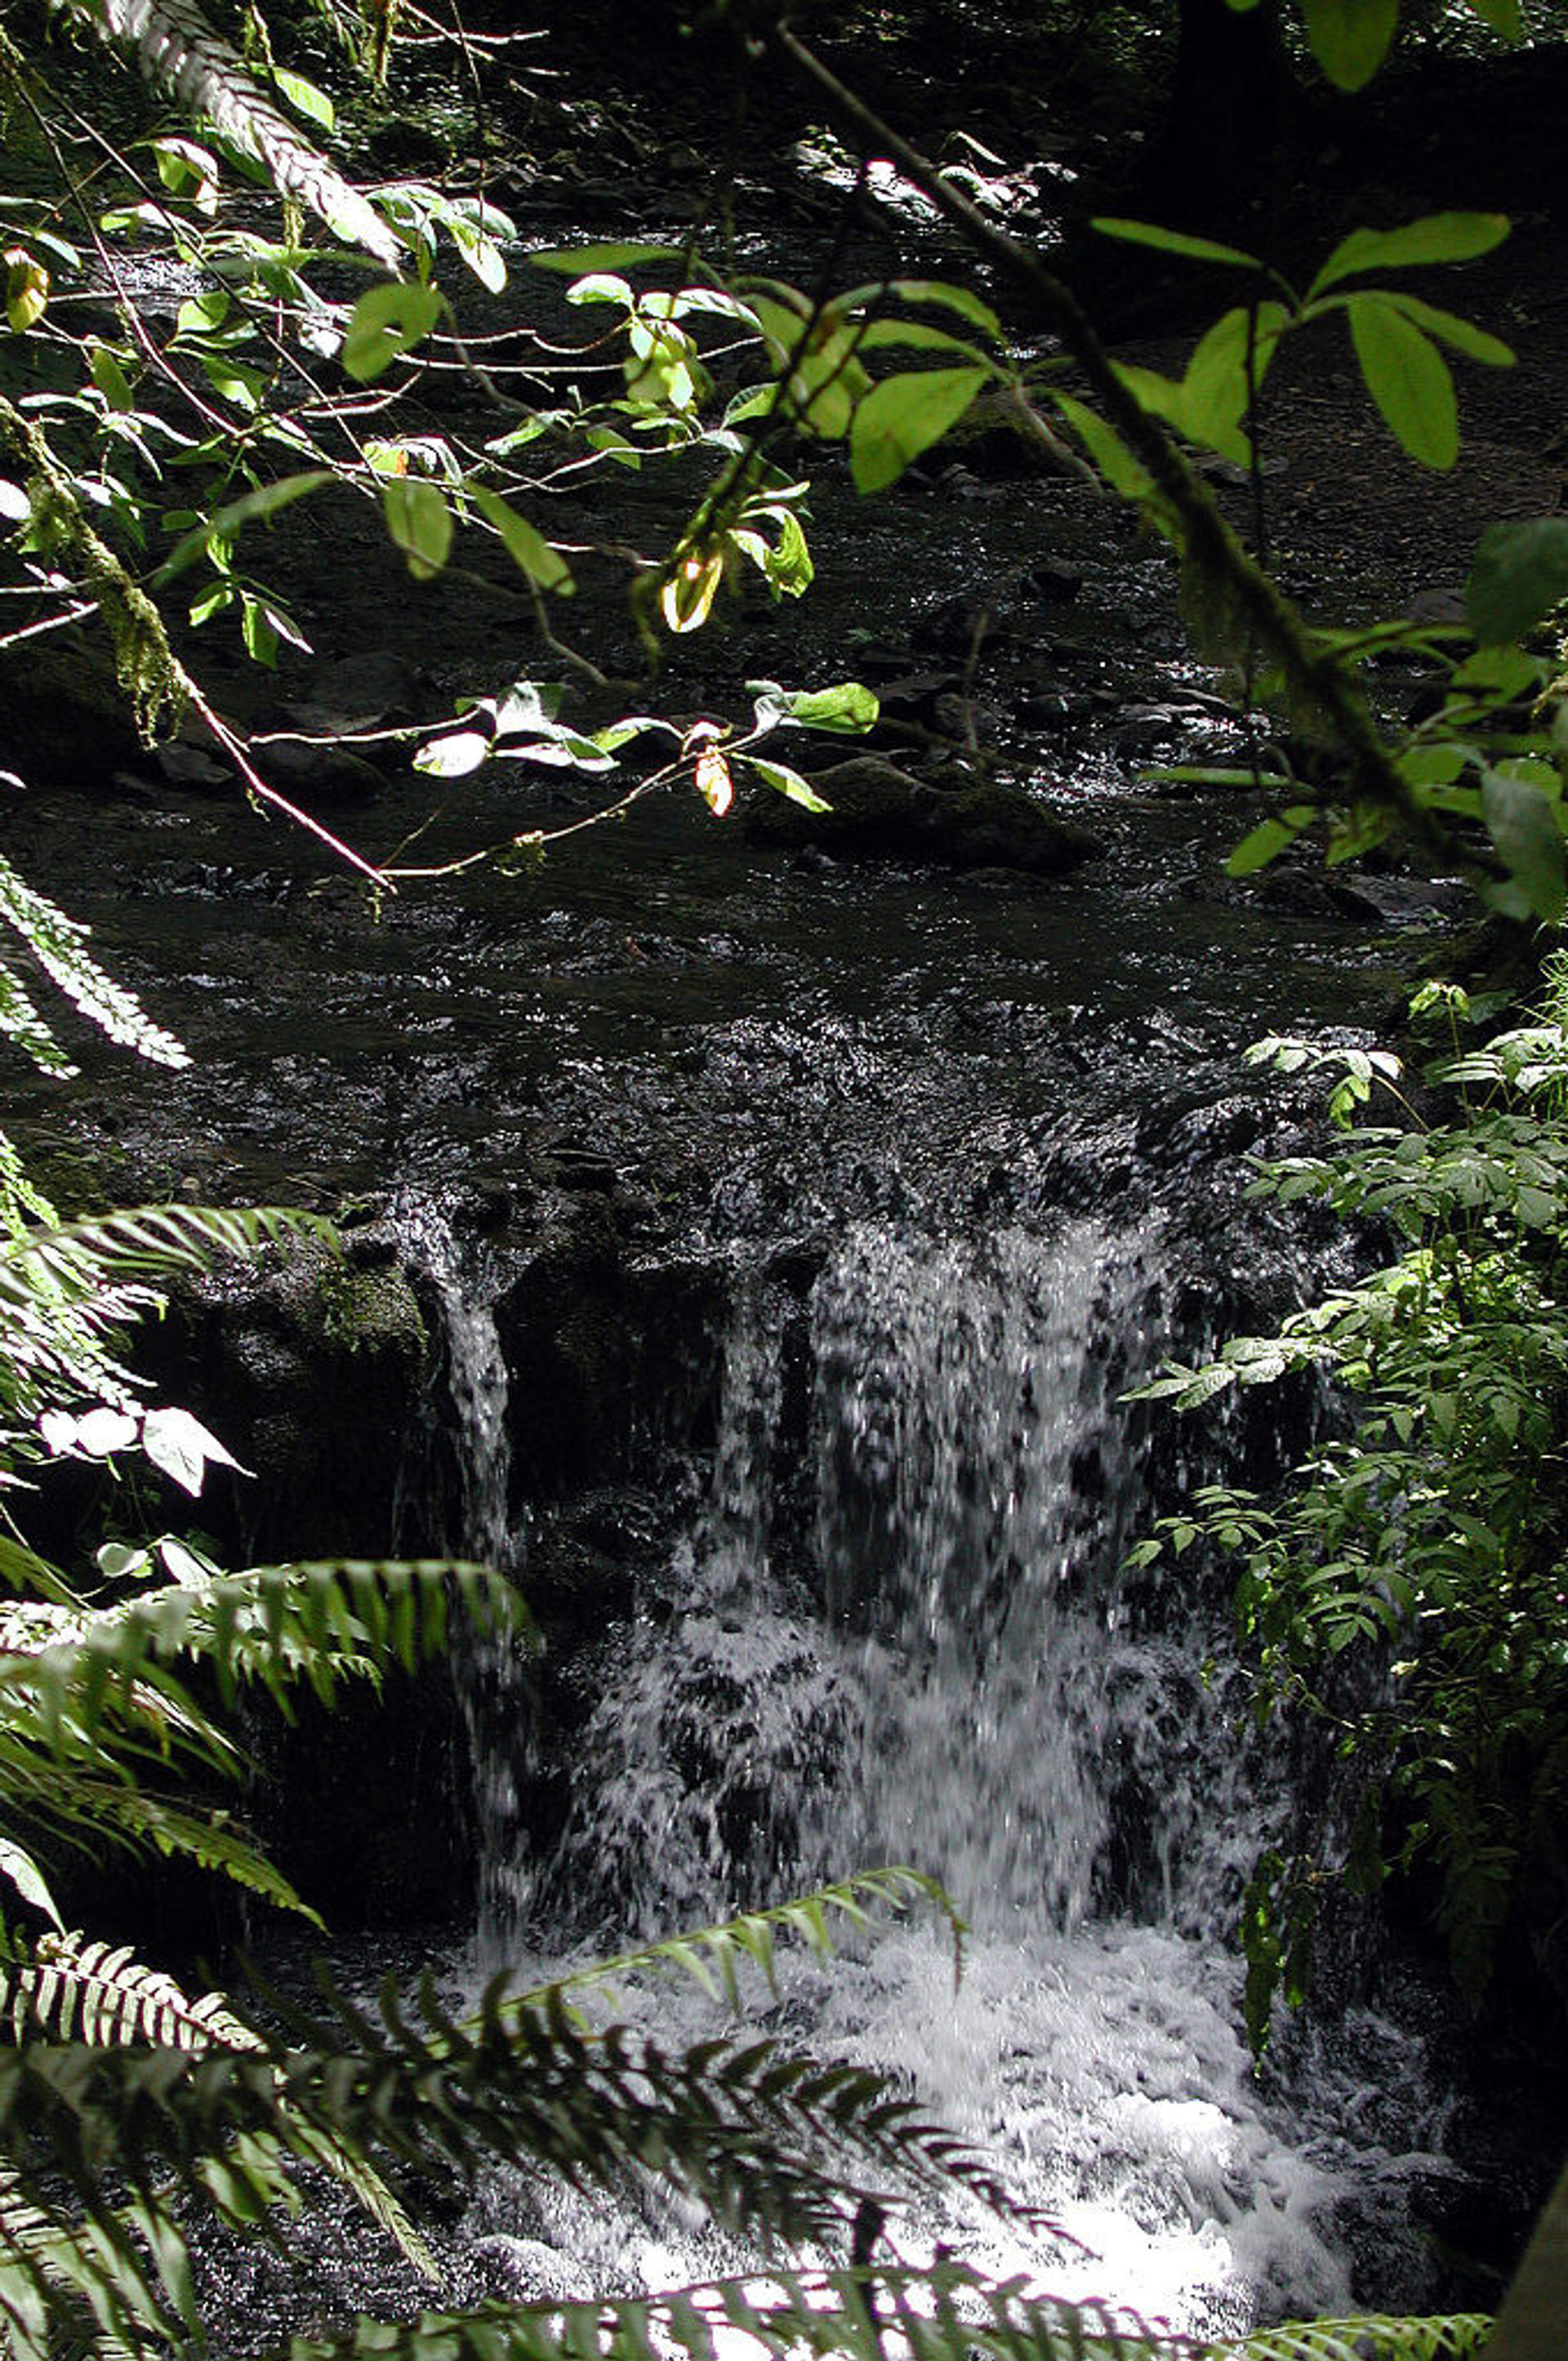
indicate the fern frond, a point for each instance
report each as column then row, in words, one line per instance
column 177, row 47
column 755, row 2134
column 67, row 2288
column 1374, row 2337
column 22, row 1201
column 272, row 1626
column 68, row 1290
column 21, row 1023
column 947, row 2314
column 133, row 1817
column 143, row 1243
column 59, row 945
column 714, row 1955
column 68, row 1990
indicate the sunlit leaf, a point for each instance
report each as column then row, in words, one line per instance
column 388, row 321
column 687, row 596
column 420, row 522
column 22, row 1870
column 224, row 522
column 1462, row 335
column 110, row 379
column 1408, row 378
column 714, row 784
column 575, row 261
column 453, row 756
column 1266, row 843
column 305, row 97
column 525, row 543
column 1436, row 237
column 181, row 1446
column 903, row 416
column 847, row 709
column 1173, row 241
column 786, row 782
column 1350, row 38
column 27, row 288
column 1519, row 575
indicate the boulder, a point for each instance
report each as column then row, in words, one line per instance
column 878, row 812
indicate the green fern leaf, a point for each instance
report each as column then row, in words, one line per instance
column 273, row 1626
column 58, row 944
column 711, row 1955
column 178, row 49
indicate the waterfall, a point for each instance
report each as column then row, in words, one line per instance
column 917, row 1641
column 491, row 1676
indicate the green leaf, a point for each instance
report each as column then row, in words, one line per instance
column 847, row 709
column 942, row 292
column 263, row 503
column 1408, row 378
column 454, row 756
column 1173, row 241
column 22, row 1870
column 1522, row 823
column 26, row 289
column 1201, row 420
column 917, row 336
column 1436, row 237
column 1519, row 575
column 527, row 546
column 305, row 96
column 1450, row 329
column 202, row 314
column 572, row 261
column 111, row 380
column 1266, row 843
column 419, row 522
column 1350, row 38
column 386, row 320
column 903, row 416
column 1215, row 387
column 1124, row 474
column 602, row 287
column 789, row 783
column 690, row 588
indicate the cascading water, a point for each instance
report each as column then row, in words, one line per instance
column 490, row 1675
column 953, row 1669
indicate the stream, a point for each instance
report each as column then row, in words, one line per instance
column 789, row 1231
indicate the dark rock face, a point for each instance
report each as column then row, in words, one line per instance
column 316, row 1370
column 879, row 812
column 64, row 719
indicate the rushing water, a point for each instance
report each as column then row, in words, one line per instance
column 939, row 1660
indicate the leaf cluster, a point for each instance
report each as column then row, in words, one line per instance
column 1405, row 1589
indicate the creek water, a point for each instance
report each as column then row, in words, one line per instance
column 898, row 1182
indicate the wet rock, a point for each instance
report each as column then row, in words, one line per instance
column 66, row 720
column 313, row 1367
column 192, row 767
column 1399, row 901
column 312, row 775
column 879, row 812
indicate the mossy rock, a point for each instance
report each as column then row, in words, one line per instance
column 878, row 812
